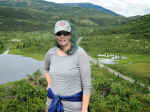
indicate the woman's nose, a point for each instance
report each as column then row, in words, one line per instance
column 62, row 36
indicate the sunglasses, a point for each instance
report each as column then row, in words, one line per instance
column 65, row 33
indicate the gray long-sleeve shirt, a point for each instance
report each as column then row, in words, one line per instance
column 69, row 75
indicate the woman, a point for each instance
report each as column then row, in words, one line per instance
column 68, row 72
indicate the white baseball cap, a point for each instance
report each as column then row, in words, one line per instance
column 62, row 25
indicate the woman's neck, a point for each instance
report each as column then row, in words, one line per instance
column 66, row 48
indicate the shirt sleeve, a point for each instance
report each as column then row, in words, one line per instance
column 85, row 71
column 47, row 63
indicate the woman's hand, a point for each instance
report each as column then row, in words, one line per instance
column 48, row 86
column 85, row 102
column 84, row 110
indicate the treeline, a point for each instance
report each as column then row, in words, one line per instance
column 1, row 46
column 31, row 44
column 21, row 44
column 138, row 28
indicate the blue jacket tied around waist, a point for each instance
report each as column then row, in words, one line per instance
column 56, row 104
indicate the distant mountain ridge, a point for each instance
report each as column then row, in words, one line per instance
column 90, row 5
column 37, row 3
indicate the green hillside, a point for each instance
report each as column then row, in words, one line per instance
column 139, row 27
column 14, row 19
column 35, row 15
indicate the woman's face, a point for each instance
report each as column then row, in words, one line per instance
column 63, row 38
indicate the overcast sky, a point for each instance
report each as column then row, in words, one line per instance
column 123, row 7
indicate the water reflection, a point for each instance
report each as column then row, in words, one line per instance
column 16, row 67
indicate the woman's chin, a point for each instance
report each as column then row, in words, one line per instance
column 62, row 44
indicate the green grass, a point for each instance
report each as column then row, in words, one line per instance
column 137, row 71
column 29, row 53
column 138, row 58
column 135, row 66
column 2, row 50
column 30, row 44
column 141, row 73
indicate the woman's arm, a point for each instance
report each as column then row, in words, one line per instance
column 85, row 71
column 47, row 76
column 46, row 69
column 85, row 103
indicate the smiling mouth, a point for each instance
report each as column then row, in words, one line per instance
column 62, row 40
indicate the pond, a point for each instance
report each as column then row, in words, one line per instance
column 110, row 59
column 16, row 67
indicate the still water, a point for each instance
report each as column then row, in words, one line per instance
column 16, row 67
column 113, row 59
